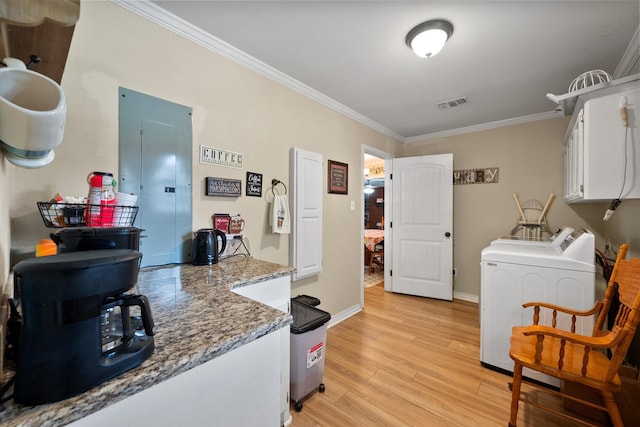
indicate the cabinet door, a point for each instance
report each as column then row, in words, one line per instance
column 276, row 293
column 574, row 161
column 305, row 242
column 611, row 155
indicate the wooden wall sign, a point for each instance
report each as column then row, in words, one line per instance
column 216, row 156
column 223, row 187
column 338, row 177
column 476, row 176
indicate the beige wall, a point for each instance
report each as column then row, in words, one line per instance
column 233, row 108
column 238, row 110
column 530, row 158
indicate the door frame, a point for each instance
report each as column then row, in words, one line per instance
column 366, row 149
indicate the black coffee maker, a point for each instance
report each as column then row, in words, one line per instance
column 76, row 330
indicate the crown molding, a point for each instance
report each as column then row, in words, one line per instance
column 181, row 27
column 163, row 18
column 630, row 58
column 484, row 126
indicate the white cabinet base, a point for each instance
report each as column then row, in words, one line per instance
column 276, row 293
column 240, row 388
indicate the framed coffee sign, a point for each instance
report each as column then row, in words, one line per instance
column 223, row 187
column 254, row 184
column 338, row 177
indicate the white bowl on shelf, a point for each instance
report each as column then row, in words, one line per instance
column 33, row 113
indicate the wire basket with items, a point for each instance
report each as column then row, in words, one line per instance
column 60, row 215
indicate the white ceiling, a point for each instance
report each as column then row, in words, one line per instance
column 504, row 56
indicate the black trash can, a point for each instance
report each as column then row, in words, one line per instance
column 308, row 338
column 95, row 238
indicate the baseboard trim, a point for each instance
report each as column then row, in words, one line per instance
column 344, row 315
column 466, row 297
column 355, row 309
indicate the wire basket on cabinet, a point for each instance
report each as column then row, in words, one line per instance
column 60, row 215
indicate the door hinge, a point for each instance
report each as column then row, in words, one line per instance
column 390, row 272
column 390, row 176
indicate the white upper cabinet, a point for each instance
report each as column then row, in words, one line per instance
column 602, row 155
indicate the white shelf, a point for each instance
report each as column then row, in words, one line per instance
column 567, row 102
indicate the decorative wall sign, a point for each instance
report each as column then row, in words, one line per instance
column 223, row 187
column 476, row 176
column 254, row 184
column 221, row 222
column 216, row 156
column 338, row 177
column 376, row 170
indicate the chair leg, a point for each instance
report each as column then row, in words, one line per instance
column 612, row 407
column 515, row 394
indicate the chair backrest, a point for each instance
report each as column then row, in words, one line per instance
column 626, row 278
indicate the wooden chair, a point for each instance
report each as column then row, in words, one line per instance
column 377, row 256
column 581, row 359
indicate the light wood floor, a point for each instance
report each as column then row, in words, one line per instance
column 411, row 361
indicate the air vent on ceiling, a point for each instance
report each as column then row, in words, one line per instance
column 452, row 103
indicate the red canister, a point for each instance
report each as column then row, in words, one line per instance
column 101, row 199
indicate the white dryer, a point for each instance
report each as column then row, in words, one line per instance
column 515, row 271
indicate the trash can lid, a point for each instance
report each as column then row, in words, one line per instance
column 306, row 318
column 306, row 299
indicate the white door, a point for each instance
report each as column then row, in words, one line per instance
column 422, row 226
column 305, row 240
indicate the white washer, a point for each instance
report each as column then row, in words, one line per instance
column 515, row 271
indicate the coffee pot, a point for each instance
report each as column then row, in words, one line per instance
column 206, row 248
column 117, row 326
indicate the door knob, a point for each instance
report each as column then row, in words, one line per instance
column 447, row 234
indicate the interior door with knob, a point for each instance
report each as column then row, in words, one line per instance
column 422, row 226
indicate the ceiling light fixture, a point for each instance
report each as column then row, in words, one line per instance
column 428, row 38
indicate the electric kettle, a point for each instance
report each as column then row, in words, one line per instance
column 206, row 248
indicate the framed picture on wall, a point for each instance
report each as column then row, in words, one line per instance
column 338, row 177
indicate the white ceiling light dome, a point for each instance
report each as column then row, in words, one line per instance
column 428, row 38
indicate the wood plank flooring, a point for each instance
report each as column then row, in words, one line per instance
column 411, row 361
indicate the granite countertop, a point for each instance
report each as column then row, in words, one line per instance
column 197, row 318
